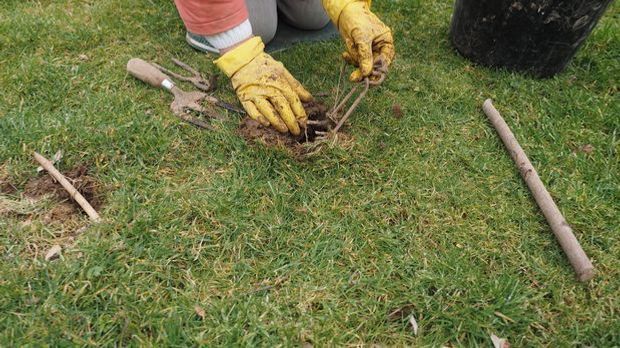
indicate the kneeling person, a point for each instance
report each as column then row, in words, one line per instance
column 265, row 88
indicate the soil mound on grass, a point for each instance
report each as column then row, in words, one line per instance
column 252, row 131
column 66, row 207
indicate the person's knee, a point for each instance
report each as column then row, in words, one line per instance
column 265, row 30
column 315, row 22
column 304, row 14
column 264, row 18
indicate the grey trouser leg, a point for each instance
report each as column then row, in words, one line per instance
column 304, row 14
column 263, row 17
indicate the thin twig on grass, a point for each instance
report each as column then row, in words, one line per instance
column 73, row 192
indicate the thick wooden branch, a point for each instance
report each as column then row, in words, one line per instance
column 562, row 230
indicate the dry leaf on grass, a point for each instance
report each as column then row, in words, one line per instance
column 504, row 316
column 587, row 148
column 53, row 253
column 199, row 311
column 499, row 342
column 414, row 324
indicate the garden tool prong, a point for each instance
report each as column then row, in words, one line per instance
column 200, row 82
column 184, row 102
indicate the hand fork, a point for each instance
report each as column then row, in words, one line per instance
column 183, row 101
column 196, row 78
column 203, row 84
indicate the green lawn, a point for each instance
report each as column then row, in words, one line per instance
column 425, row 211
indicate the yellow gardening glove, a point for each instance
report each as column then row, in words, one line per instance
column 367, row 39
column 267, row 91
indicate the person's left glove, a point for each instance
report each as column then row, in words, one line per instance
column 267, row 91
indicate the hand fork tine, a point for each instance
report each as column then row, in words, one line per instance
column 185, row 66
column 199, row 82
column 196, row 78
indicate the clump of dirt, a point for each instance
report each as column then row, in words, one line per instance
column 397, row 110
column 252, row 130
column 45, row 185
column 316, row 112
column 6, row 187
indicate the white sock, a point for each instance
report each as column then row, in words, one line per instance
column 231, row 36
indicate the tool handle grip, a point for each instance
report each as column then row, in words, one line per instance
column 146, row 72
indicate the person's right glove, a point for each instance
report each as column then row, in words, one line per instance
column 267, row 91
column 367, row 39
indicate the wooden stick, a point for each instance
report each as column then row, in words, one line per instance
column 47, row 165
column 562, row 230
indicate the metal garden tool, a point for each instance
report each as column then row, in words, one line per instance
column 203, row 84
column 199, row 81
column 184, row 102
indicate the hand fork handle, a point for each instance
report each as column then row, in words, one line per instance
column 146, row 72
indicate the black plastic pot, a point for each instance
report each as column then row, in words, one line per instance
column 539, row 37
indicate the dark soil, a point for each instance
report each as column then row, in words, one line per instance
column 45, row 185
column 253, row 131
column 316, row 111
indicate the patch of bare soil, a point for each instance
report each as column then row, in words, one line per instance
column 397, row 110
column 253, row 131
column 44, row 202
column 64, row 207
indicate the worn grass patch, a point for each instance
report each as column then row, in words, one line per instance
column 423, row 213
